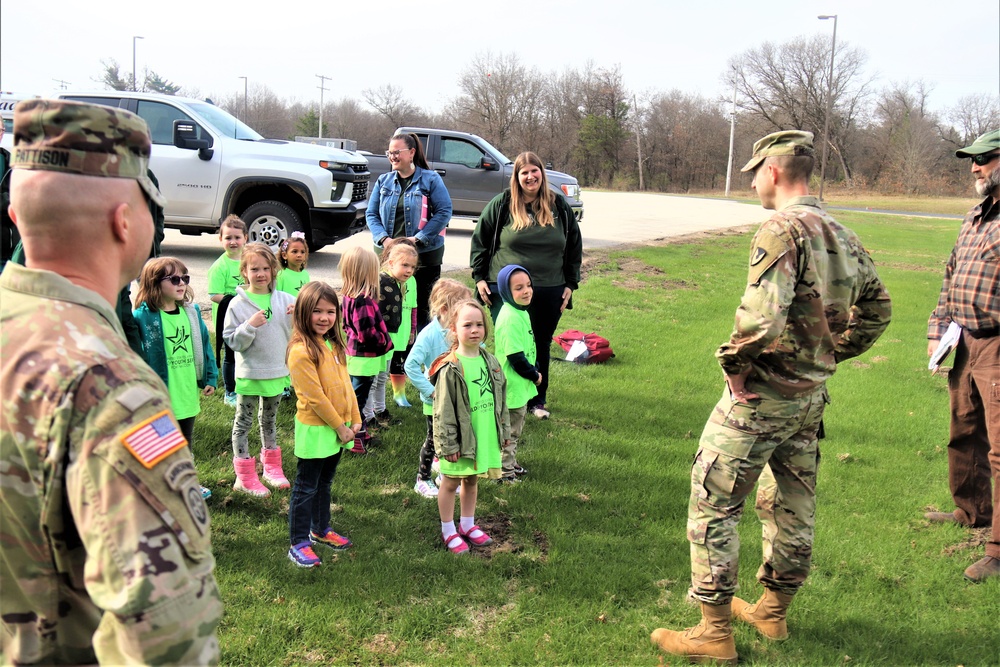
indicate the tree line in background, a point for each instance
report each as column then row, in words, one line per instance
column 586, row 122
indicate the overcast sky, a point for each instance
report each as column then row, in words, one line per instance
column 422, row 47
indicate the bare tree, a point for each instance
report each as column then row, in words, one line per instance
column 604, row 131
column 500, row 99
column 266, row 113
column 388, row 101
column 686, row 140
column 786, row 85
column 904, row 151
column 974, row 115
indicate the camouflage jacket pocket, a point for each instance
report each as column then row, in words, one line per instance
column 170, row 490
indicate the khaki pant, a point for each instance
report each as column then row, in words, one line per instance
column 738, row 440
column 974, row 447
column 509, row 453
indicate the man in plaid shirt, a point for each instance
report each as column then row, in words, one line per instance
column 970, row 297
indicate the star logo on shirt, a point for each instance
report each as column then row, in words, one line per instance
column 484, row 382
column 179, row 340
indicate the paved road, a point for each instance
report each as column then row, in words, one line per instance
column 610, row 218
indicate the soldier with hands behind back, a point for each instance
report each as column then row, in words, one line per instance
column 812, row 300
column 104, row 536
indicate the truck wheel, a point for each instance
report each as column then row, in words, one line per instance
column 270, row 223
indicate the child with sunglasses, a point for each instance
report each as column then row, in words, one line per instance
column 175, row 340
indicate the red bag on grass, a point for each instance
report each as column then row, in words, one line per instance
column 597, row 348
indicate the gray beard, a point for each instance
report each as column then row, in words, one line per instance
column 990, row 186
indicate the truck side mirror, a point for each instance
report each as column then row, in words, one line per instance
column 488, row 163
column 186, row 137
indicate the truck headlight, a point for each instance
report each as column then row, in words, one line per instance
column 332, row 166
column 571, row 190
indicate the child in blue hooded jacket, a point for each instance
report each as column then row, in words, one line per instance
column 516, row 350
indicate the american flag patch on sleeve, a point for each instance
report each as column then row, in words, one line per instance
column 154, row 439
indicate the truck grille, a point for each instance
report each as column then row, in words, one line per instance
column 359, row 168
column 360, row 191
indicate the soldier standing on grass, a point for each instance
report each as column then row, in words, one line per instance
column 813, row 299
column 970, row 297
column 104, row 536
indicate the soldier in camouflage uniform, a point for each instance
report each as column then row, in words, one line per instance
column 104, row 536
column 813, row 299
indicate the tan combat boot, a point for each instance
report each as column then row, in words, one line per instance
column 711, row 640
column 767, row 614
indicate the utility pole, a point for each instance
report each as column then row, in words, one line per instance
column 321, row 86
column 62, row 84
column 638, row 143
column 732, row 138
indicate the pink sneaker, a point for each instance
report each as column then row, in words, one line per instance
column 246, row 478
column 479, row 541
column 273, row 474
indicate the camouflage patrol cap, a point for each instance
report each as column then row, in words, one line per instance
column 984, row 144
column 786, row 142
column 87, row 139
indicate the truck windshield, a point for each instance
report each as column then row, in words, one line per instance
column 225, row 124
column 496, row 151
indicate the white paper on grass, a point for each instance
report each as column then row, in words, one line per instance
column 577, row 351
column 948, row 342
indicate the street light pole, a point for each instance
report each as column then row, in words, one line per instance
column 244, row 97
column 134, row 37
column 829, row 103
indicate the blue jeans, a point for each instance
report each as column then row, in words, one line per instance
column 309, row 508
column 362, row 385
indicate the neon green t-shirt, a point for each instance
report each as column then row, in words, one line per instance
column 255, row 387
column 512, row 335
column 182, row 377
column 314, row 441
column 291, row 281
column 484, row 420
column 223, row 278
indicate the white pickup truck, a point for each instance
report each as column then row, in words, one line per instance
column 209, row 164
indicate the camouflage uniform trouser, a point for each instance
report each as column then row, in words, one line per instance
column 738, row 440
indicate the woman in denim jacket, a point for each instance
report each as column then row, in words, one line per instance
column 393, row 216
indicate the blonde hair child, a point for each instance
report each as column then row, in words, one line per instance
column 293, row 255
column 258, row 327
column 432, row 342
column 175, row 340
column 397, row 303
column 326, row 419
column 471, row 423
column 368, row 340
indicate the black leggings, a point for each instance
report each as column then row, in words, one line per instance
column 426, row 452
column 425, row 276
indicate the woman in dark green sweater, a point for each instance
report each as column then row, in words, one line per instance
column 530, row 225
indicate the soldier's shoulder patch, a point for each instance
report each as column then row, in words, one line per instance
column 767, row 249
column 154, row 439
column 135, row 397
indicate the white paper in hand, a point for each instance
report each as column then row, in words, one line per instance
column 577, row 352
column 948, row 342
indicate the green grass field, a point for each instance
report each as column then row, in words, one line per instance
column 590, row 551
